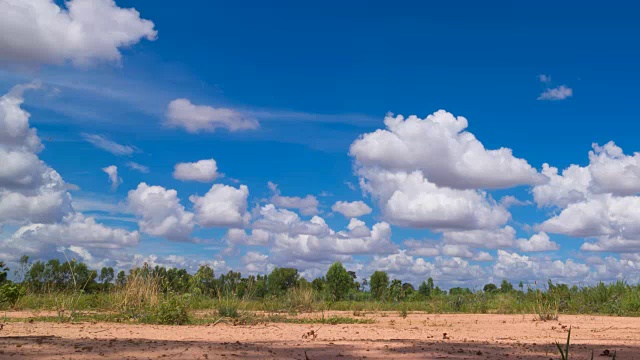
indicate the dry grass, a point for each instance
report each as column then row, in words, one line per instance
column 140, row 291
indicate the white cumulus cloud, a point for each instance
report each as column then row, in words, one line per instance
column 84, row 31
column 160, row 212
column 222, row 206
column 307, row 205
column 352, row 209
column 112, row 171
column 202, row 170
column 443, row 151
column 198, row 118
column 561, row 92
column 537, row 242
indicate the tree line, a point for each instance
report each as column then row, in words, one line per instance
column 337, row 284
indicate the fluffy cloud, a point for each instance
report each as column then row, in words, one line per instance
column 610, row 171
column 557, row 93
column 428, row 173
column 408, row 199
column 440, row 148
column 256, row 263
column 43, row 206
column 274, row 220
column 160, row 212
column 422, row 248
column 537, row 242
column 202, row 170
column 515, row 267
column 15, row 132
column 460, row 251
column 76, row 229
column 30, row 190
column 307, row 205
column 197, row 118
column 105, row 144
column 20, row 169
column 115, row 180
column 596, row 201
column 488, row 239
column 614, row 172
column 561, row 190
column 612, row 269
column 352, row 209
column 222, row 206
column 445, row 271
column 292, row 238
column 240, row 236
column 613, row 243
column 40, row 31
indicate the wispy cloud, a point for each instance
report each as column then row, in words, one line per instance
column 138, row 167
column 558, row 93
column 545, row 79
column 105, row 144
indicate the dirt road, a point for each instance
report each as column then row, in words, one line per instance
column 419, row 336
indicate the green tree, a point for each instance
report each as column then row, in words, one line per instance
column 459, row 291
column 506, row 286
column 282, row 279
column 121, row 280
column 379, row 283
column 318, row 284
column 106, row 275
column 204, row 280
column 21, row 273
column 339, row 282
column 4, row 271
column 490, row 288
column 395, row 290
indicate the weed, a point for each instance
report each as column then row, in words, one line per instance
column 546, row 308
column 172, row 311
column 228, row 306
column 564, row 353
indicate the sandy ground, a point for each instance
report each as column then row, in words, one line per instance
column 419, row 336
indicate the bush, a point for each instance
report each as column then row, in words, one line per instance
column 172, row 310
column 228, row 306
column 10, row 293
column 339, row 282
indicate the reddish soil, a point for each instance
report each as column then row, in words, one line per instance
column 419, row 336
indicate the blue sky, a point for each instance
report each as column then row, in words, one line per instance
column 281, row 92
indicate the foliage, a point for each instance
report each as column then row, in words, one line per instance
column 70, row 287
column 506, row 286
column 339, row 282
column 281, row 280
column 10, row 293
column 379, row 284
column 426, row 288
column 4, row 272
column 172, row 310
column 490, row 288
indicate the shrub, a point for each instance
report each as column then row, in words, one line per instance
column 172, row 310
column 379, row 284
column 10, row 293
column 339, row 282
column 228, row 306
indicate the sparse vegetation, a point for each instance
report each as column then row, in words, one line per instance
column 170, row 296
column 564, row 352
